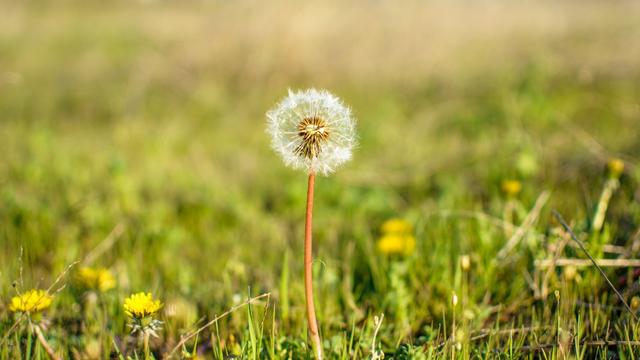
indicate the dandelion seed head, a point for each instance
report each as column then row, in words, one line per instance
column 312, row 130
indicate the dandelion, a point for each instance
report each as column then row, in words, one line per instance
column 397, row 238
column 396, row 226
column 314, row 131
column 396, row 244
column 31, row 302
column 96, row 279
column 141, row 309
column 511, row 187
column 615, row 167
column 141, row 305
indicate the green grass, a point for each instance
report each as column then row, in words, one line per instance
column 146, row 121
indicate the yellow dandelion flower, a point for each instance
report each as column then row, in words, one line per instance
column 100, row 279
column 616, row 167
column 396, row 226
column 32, row 301
column 396, row 244
column 511, row 187
column 141, row 309
column 397, row 238
column 141, row 305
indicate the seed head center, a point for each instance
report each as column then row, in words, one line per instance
column 313, row 132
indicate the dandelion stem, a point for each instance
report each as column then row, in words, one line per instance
column 44, row 343
column 145, row 339
column 308, row 271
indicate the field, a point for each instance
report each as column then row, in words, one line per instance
column 132, row 138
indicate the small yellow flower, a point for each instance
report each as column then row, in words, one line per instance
column 616, row 167
column 396, row 244
column 397, row 238
column 32, row 301
column 141, row 305
column 396, row 226
column 100, row 279
column 511, row 187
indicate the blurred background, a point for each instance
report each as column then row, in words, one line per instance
column 147, row 119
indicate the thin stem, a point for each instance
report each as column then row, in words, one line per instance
column 575, row 238
column 308, row 271
column 45, row 344
column 145, row 340
column 453, row 329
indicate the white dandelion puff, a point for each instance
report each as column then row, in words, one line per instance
column 312, row 130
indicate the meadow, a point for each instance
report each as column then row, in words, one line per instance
column 132, row 138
